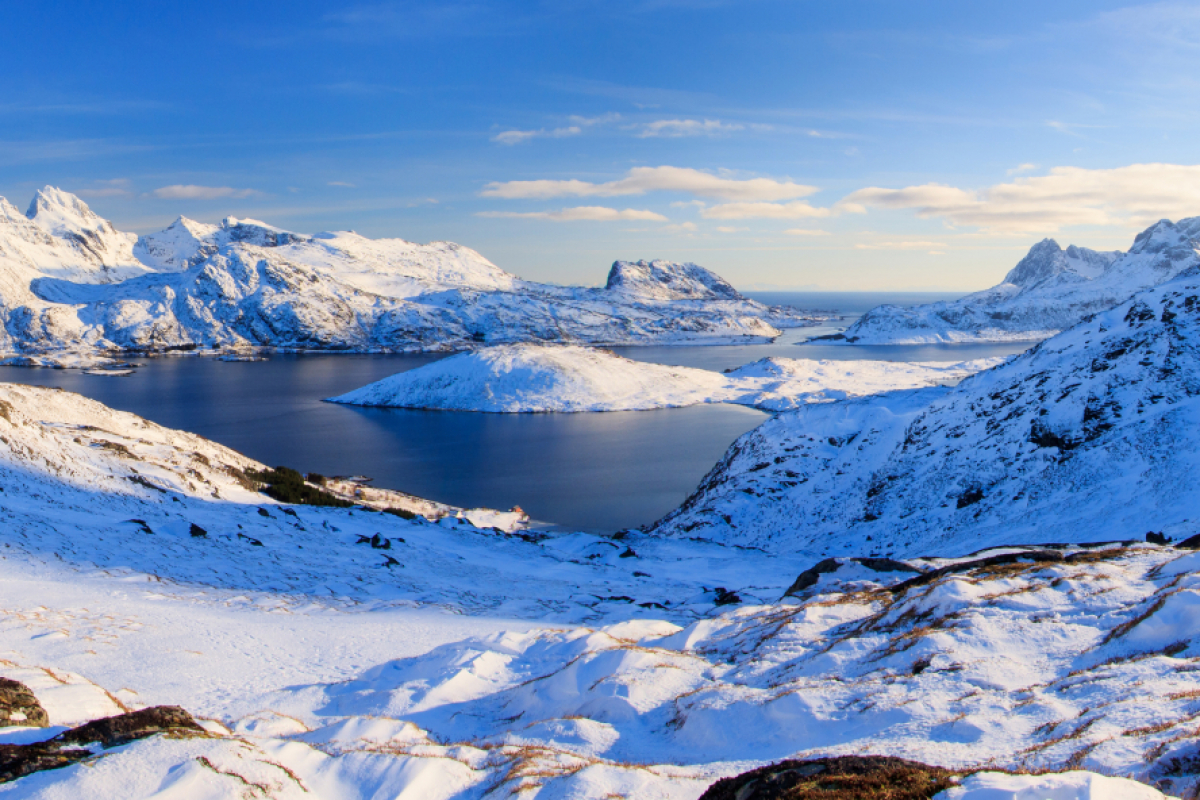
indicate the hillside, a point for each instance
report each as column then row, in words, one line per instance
column 1088, row 436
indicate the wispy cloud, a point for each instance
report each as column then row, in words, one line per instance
column 640, row 180
column 675, row 128
column 516, row 137
column 1019, row 168
column 579, row 214
column 1134, row 195
column 806, row 232
column 342, row 184
column 189, row 191
column 576, row 127
column 797, row 209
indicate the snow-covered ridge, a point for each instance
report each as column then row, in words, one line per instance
column 565, row 378
column 1088, row 436
column 69, row 281
column 1050, row 290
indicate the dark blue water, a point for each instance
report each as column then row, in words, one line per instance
column 593, row 471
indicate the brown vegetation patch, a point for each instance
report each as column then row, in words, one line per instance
column 841, row 778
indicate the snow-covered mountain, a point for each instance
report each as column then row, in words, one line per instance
column 568, row 378
column 1088, row 436
column 1048, row 291
column 69, row 281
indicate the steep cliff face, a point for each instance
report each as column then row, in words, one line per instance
column 70, row 281
column 1048, row 291
column 1086, row 437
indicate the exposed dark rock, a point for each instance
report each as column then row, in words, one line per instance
column 725, row 597
column 380, row 542
column 19, row 706
column 124, row 728
column 196, row 530
column 1190, row 543
column 18, row 760
column 842, row 778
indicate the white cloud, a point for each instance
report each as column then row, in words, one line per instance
column 905, row 245
column 1135, row 195
column 516, row 137
column 1019, row 168
column 579, row 214
column 342, row 184
column 728, row 229
column 640, row 180
column 806, row 232
column 797, row 209
column 674, row 128
column 193, row 192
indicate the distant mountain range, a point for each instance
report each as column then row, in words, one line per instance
column 1050, row 290
column 70, row 281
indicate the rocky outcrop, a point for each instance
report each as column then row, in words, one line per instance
column 19, row 706
column 19, row 760
column 841, row 778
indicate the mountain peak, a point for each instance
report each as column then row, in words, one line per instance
column 668, row 280
column 55, row 209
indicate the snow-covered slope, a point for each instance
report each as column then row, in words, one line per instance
column 139, row 569
column 69, row 281
column 516, row 378
column 1050, row 290
column 1088, row 436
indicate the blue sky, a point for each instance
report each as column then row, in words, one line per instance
column 783, row 143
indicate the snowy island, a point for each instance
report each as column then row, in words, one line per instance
column 565, row 378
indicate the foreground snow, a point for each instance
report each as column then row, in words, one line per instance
column 70, row 282
column 1050, row 290
column 516, row 378
column 344, row 653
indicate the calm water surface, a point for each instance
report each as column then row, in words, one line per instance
column 592, row 471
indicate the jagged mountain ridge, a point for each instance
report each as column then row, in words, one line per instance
column 1049, row 290
column 69, row 281
column 1088, row 436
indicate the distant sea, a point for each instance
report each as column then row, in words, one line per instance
column 852, row 304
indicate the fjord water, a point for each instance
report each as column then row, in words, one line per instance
column 591, row 471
